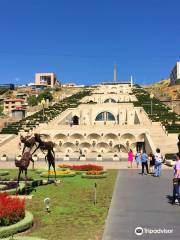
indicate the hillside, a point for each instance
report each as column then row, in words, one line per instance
column 170, row 95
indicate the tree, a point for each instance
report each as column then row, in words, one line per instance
column 32, row 100
column 46, row 94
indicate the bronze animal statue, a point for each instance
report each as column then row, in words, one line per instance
column 50, row 158
column 28, row 142
column 42, row 145
column 23, row 165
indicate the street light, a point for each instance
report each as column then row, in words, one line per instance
column 151, row 97
column 43, row 103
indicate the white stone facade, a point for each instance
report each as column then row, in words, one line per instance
column 175, row 73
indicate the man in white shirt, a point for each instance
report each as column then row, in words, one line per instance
column 158, row 163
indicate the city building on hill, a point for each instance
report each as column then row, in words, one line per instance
column 7, row 86
column 46, row 79
column 22, row 95
column 15, row 107
column 175, row 74
column 68, row 85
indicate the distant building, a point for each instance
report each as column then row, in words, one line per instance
column 7, row 86
column 22, row 95
column 13, row 107
column 46, row 79
column 175, row 74
column 68, row 85
column 38, row 87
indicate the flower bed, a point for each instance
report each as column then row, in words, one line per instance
column 7, row 185
column 59, row 173
column 20, row 226
column 83, row 167
column 63, row 165
column 12, row 210
column 94, row 174
column 12, row 191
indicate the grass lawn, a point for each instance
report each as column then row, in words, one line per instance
column 73, row 214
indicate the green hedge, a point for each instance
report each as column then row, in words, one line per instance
column 24, row 238
column 20, row 226
column 51, row 112
column 4, row 173
column 13, row 191
column 84, row 175
column 170, row 156
column 45, row 175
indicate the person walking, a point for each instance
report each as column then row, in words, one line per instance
column 151, row 162
column 144, row 161
column 176, row 180
column 130, row 158
column 138, row 158
column 158, row 163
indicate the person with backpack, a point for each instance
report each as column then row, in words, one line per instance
column 158, row 163
column 144, row 161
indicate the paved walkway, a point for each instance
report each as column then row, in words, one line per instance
column 106, row 164
column 142, row 201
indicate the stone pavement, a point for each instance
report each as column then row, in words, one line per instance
column 108, row 164
column 142, row 201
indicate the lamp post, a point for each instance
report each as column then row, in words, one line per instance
column 43, row 103
column 151, row 97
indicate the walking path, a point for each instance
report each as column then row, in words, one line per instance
column 109, row 164
column 142, row 201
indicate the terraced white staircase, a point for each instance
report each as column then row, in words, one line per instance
column 168, row 143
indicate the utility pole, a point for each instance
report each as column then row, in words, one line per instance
column 115, row 77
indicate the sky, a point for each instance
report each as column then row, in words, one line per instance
column 80, row 40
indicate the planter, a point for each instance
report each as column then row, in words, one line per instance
column 4, row 158
column 20, row 226
column 170, row 163
column 115, row 158
column 66, row 158
column 82, row 158
column 18, row 158
column 35, row 157
column 99, row 158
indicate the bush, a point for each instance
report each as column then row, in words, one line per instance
column 12, row 210
column 171, row 156
column 4, row 173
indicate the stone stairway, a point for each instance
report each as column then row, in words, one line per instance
column 10, row 148
column 162, row 140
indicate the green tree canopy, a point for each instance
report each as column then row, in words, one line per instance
column 46, row 94
column 32, row 100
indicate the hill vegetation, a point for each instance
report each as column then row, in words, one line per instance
column 166, row 93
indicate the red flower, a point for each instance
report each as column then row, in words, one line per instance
column 86, row 167
column 11, row 209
